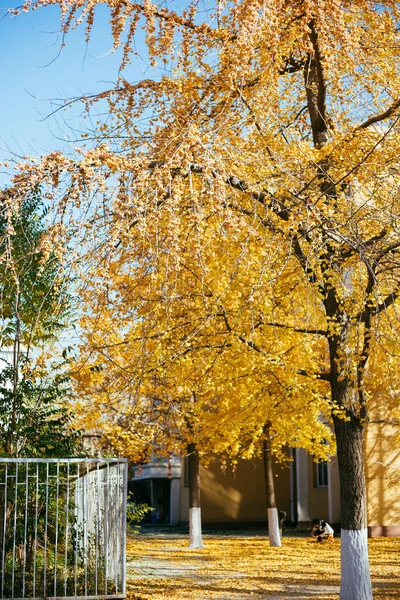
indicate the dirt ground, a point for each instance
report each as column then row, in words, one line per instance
column 240, row 566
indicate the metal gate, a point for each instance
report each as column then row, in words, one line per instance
column 62, row 528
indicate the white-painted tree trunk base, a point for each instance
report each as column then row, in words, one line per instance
column 273, row 527
column 195, row 535
column 355, row 577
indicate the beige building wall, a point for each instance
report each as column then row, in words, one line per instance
column 228, row 497
column 238, row 496
column 303, row 466
column 382, row 459
column 315, row 502
column 319, row 507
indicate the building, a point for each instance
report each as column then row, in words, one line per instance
column 304, row 489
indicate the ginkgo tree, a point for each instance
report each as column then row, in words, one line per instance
column 287, row 112
column 180, row 357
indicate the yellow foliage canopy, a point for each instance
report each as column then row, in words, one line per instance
column 253, row 185
column 189, row 340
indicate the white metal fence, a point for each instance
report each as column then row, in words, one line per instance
column 62, row 528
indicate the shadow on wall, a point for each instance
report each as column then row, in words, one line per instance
column 218, row 500
column 240, row 495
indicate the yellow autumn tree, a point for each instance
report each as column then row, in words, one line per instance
column 287, row 112
column 175, row 346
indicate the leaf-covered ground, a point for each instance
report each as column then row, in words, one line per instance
column 241, row 567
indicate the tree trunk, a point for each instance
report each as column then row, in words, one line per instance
column 355, row 580
column 349, row 430
column 347, row 395
column 195, row 535
column 273, row 520
column 11, row 445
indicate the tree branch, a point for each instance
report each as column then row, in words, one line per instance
column 315, row 84
column 373, row 311
column 384, row 422
column 292, row 65
column 309, row 272
column 381, row 117
column 240, row 337
column 322, row 376
column 298, row 329
column 385, row 251
column 388, row 301
column 266, row 198
column 267, row 222
column 360, row 246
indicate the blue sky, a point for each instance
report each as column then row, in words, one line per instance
column 34, row 74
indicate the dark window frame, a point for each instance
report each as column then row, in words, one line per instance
column 186, row 471
column 321, row 479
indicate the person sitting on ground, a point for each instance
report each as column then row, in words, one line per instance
column 316, row 529
column 327, row 532
column 321, row 530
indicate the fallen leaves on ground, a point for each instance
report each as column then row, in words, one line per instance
column 241, row 567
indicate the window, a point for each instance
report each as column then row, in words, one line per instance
column 322, row 474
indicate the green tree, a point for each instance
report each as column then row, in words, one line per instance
column 42, row 425
column 34, row 306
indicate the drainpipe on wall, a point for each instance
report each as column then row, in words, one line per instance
column 292, row 481
column 302, row 487
column 330, row 500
